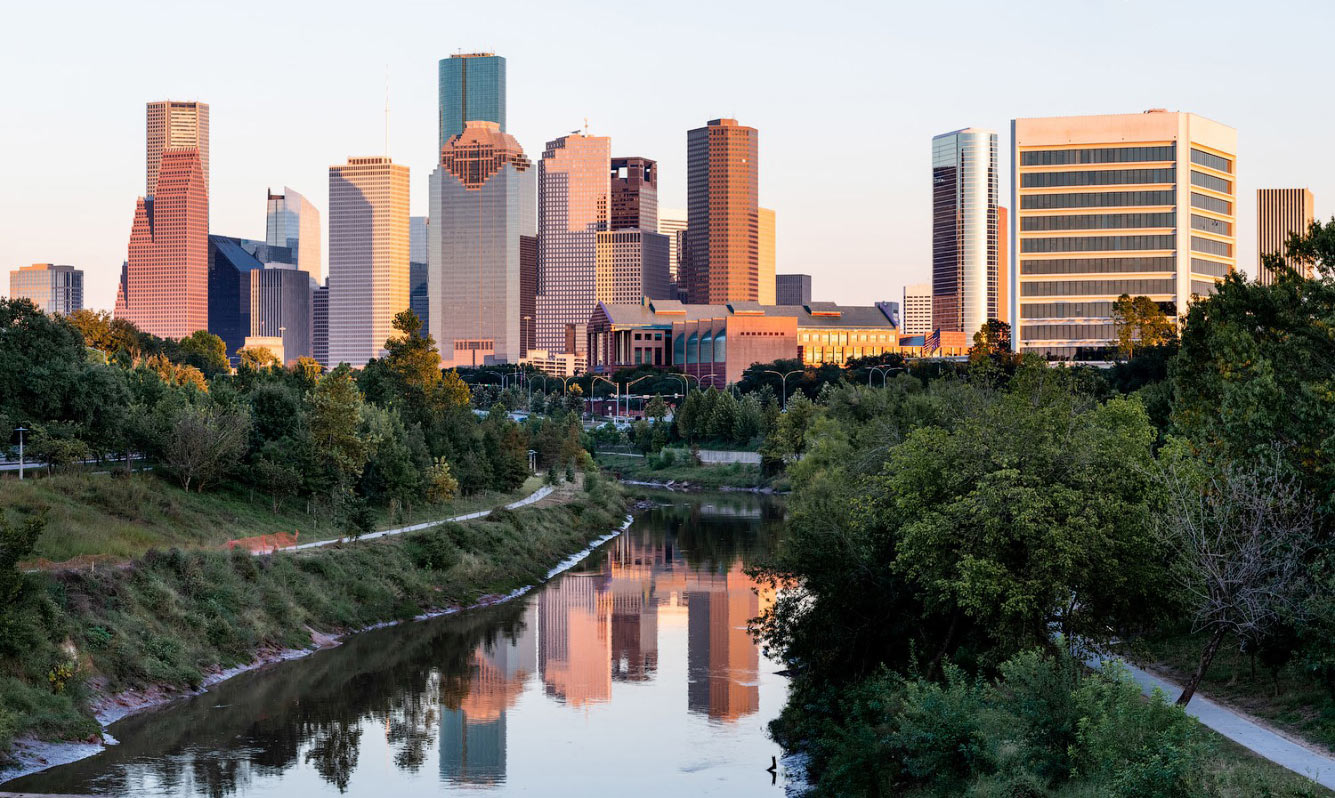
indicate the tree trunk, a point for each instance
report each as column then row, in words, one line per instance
column 1206, row 657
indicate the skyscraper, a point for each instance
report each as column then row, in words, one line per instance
column 230, row 263
column 634, row 193
column 175, row 125
column 765, row 285
column 320, row 325
column 573, row 197
column 281, row 305
column 916, row 310
column 964, row 230
column 672, row 223
column 631, row 265
column 722, row 206
column 167, row 273
column 52, row 288
column 482, row 205
column 292, row 221
column 368, row 256
column 1138, row 204
column 419, row 296
column 792, row 289
column 1280, row 213
column 472, row 88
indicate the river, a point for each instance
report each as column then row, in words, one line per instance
column 630, row 674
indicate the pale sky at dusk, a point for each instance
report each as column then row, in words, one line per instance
column 846, row 97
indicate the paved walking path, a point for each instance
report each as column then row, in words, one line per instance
column 536, row 496
column 1244, row 731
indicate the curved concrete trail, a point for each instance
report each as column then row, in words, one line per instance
column 1242, row 730
column 536, row 496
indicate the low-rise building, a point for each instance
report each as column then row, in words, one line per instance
column 556, row 364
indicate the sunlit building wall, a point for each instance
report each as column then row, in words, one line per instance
column 672, row 223
column 292, row 221
column 723, row 213
column 964, row 229
column 368, row 256
column 1138, row 204
column 765, row 254
column 573, row 205
column 175, row 125
column 51, row 287
column 1280, row 213
column 482, row 206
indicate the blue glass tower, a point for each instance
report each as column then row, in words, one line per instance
column 472, row 89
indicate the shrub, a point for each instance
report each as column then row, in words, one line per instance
column 432, row 548
column 939, row 737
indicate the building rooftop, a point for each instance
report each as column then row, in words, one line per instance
column 663, row 313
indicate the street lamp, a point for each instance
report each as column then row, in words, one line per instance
column 20, row 431
column 885, row 372
column 616, row 407
column 785, row 377
column 632, row 382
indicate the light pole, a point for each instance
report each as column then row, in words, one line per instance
column 632, row 382
column 20, row 431
column 785, row 377
column 885, row 372
column 616, row 406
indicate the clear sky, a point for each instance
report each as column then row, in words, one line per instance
column 846, row 95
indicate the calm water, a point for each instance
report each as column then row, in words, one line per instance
column 631, row 674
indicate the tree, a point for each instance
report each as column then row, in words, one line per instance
column 204, row 443
column 206, row 352
column 307, row 370
column 17, row 543
column 1140, row 322
column 441, row 486
column 276, row 471
column 334, row 419
column 657, row 408
column 992, row 340
column 257, row 357
column 1241, row 533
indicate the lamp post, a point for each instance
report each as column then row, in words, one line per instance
column 632, row 382
column 885, row 372
column 616, row 406
column 20, row 431
column 784, row 378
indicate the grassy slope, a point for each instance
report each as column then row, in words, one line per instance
column 122, row 517
column 1297, row 705
column 171, row 618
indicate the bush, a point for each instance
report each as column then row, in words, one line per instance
column 939, row 738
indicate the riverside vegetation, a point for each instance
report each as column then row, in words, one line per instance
column 263, row 449
column 954, row 546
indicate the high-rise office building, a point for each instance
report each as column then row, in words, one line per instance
column 231, row 261
column 765, row 285
column 792, row 289
column 320, row 325
column 472, row 88
column 916, row 310
column 631, row 265
column 175, row 125
column 672, row 223
column 1280, row 213
column 573, row 203
column 634, row 195
column 1138, row 204
column 482, row 205
column 419, row 296
column 166, row 289
column 964, row 229
column 292, row 221
column 281, row 306
column 528, row 294
column 368, row 256
column 51, row 287
column 722, row 206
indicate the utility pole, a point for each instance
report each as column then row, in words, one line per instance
column 20, row 431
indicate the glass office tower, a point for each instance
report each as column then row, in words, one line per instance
column 472, row 88
column 292, row 221
column 964, row 230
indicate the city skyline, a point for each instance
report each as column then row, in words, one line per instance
column 849, row 249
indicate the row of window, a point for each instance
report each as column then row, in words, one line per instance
column 1211, row 225
column 1103, row 177
column 1211, row 267
column 1097, row 265
column 1097, row 221
column 1098, row 155
column 1207, row 203
column 1067, row 332
column 1211, row 161
column 696, row 349
column 1211, row 247
column 1102, row 199
column 1066, row 310
column 1203, row 288
column 1134, row 287
column 1096, row 243
column 1211, row 182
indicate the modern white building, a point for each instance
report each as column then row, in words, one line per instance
column 672, row 223
column 916, row 310
column 292, row 221
column 1138, row 204
column 965, row 245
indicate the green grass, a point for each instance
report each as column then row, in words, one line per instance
column 1293, row 703
column 642, row 469
column 119, row 517
column 171, row 617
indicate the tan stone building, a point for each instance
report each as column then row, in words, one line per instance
column 1281, row 212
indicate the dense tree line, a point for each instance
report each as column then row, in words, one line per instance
column 958, row 545
column 396, row 434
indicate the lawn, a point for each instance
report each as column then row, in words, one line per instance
column 118, row 517
column 648, row 469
